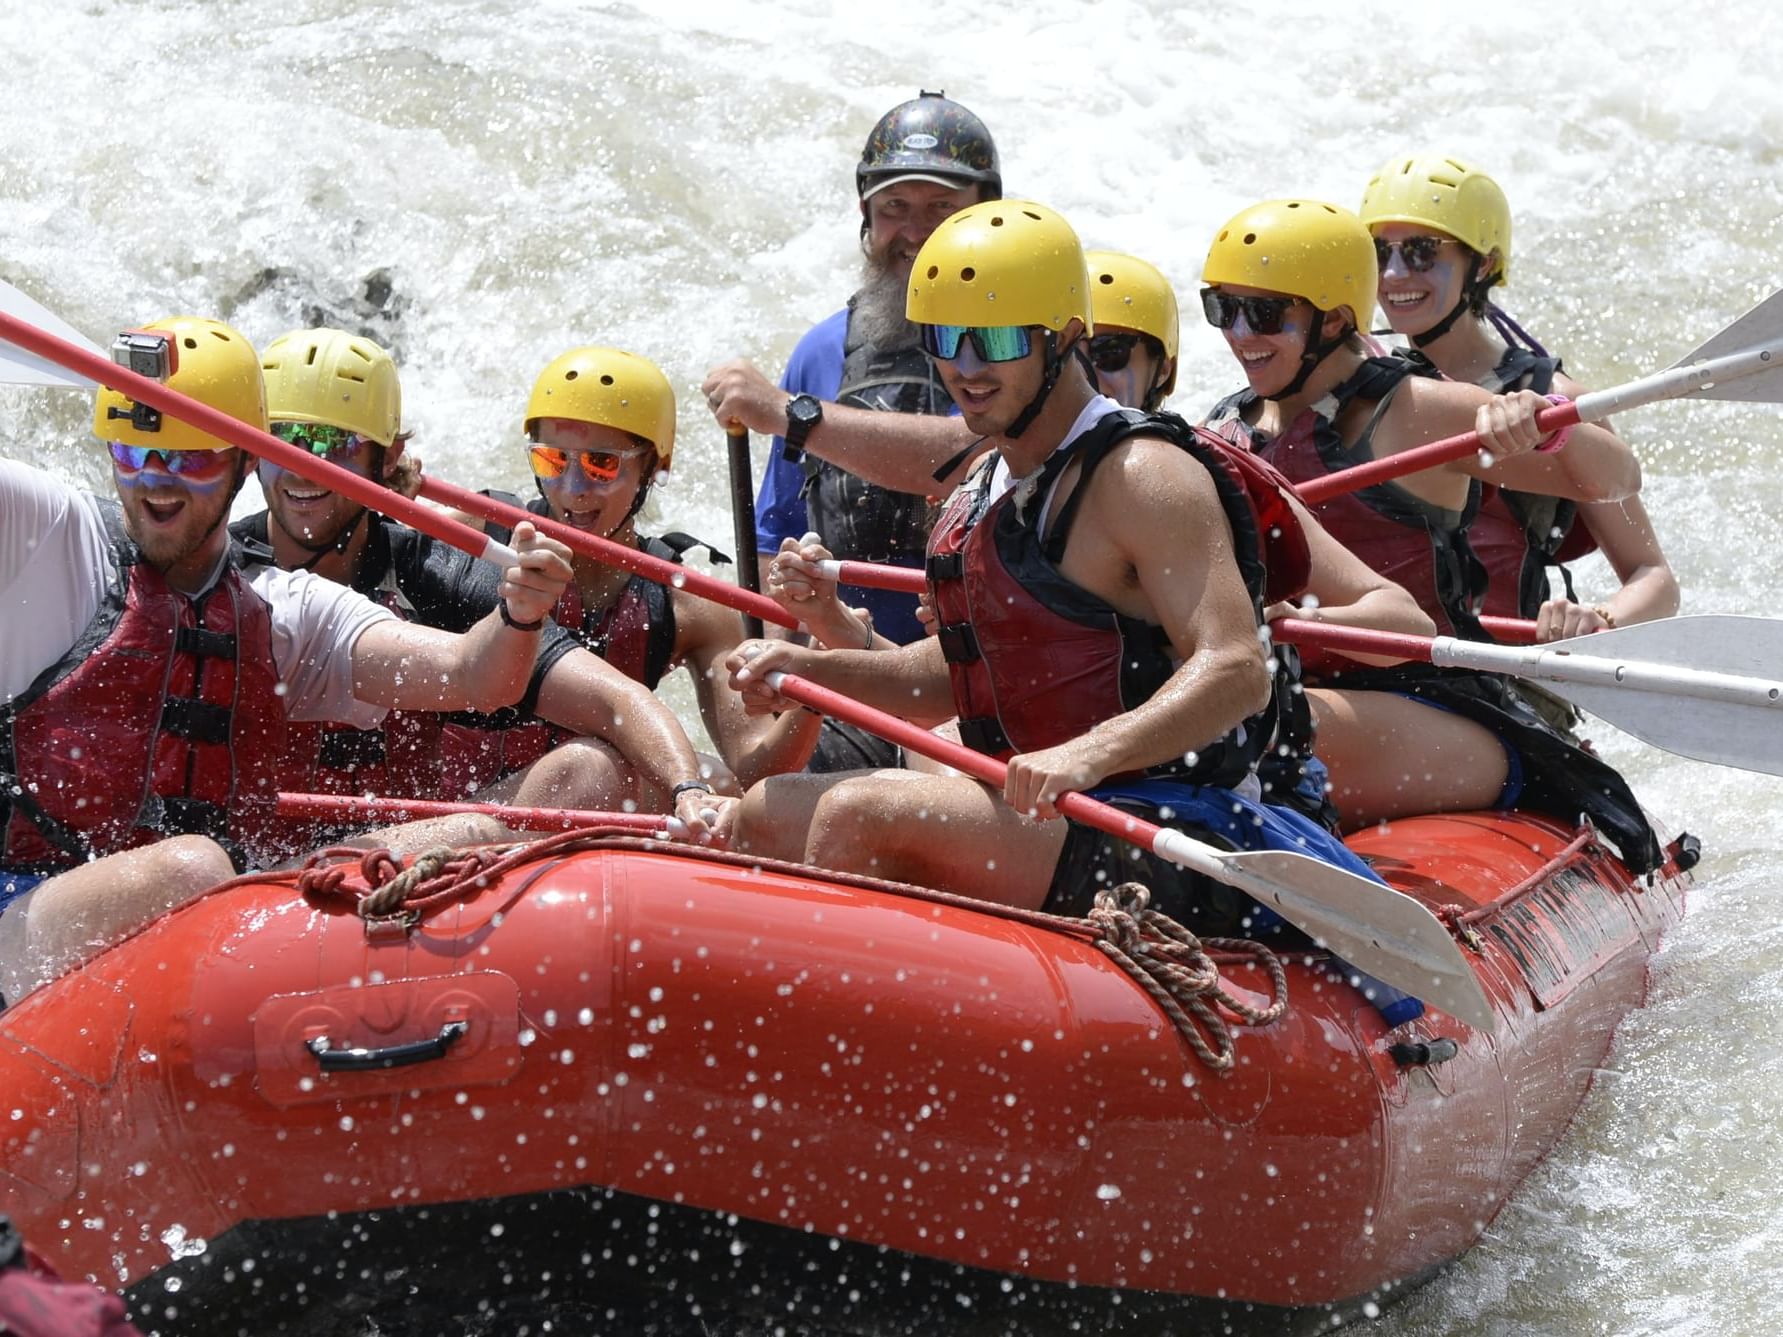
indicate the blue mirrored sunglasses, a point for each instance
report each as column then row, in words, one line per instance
column 992, row 343
column 198, row 465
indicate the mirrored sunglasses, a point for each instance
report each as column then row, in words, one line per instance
column 992, row 343
column 200, row 466
column 1112, row 352
column 598, row 466
column 1418, row 253
column 332, row 443
column 1263, row 315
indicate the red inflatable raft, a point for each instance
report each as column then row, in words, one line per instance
column 822, row 1054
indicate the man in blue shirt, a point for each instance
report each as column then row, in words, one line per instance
column 925, row 160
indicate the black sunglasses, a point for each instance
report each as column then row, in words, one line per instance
column 1264, row 315
column 1112, row 352
column 1419, row 253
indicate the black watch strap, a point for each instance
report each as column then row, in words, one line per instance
column 803, row 412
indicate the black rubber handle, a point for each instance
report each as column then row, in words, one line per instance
column 1421, row 1053
column 396, row 1056
column 743, row 522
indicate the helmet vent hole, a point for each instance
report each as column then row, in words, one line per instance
column 571, row 375
column 1293, row 204
column 968, row 274
column 353, row 376
column 934, row 271
column 1031, row 214
column 310, row 360
column 190, row 342
column 1105, row 278
column 996, row 220
column 1250, row 239
column 606, row 380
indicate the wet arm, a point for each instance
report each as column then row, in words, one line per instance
column 1195, row 592
column 1624, row 532
column 1594, row 465
column 406, row 666
column 587, row 696
column 900, row 451
column 1346, row 592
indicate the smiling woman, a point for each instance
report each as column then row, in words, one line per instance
column 1442, row 234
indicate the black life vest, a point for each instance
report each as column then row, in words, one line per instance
column 1035, row 659
column 1421, row 546
column 858, row 520
column 166, row 717
column 1519, row 535
column 635, row 634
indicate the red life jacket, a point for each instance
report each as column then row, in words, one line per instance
column 1420, row 545
column 1519, row 535
column 1035, row 659
column 166, row 717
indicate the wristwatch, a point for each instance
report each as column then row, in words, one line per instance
column 803, row 412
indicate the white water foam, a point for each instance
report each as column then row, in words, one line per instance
column 527, row 176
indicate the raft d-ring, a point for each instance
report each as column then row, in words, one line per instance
column 392, row 1056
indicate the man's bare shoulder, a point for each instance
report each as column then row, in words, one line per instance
column 1148, row 469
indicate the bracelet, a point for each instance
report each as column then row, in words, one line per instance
column 1603, row 611
column 1557, row 442
column 688, row 787
column 508, row 617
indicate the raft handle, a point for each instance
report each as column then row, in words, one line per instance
column 395, row 1056
column 1424, row 1053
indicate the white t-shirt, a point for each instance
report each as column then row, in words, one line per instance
column 56, row 565
column 1099, row 407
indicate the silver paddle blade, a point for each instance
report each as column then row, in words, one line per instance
column 1761, row 326
column 1375, row 928
column 1713, row 688
column 17, row 367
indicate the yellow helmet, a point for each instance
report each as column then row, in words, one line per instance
column 1002, row 262
column 609, row 388
column 1131, row 294
column 213, row 364
column 1446, row 194
column 333, row 378
column 1305, row 248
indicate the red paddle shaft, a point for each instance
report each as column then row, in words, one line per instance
column 346, row 808
column 613, row 554
column 303, row 463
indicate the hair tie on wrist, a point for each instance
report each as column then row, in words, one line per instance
column 688, row 787
column 507, row 616
column 1557, row 442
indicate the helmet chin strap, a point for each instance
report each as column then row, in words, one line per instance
column 343, row 539
column 339, row 543
column 1055, row 365
column 1447, row 323
column 1317, row 350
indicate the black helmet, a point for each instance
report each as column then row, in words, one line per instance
column 929, row 138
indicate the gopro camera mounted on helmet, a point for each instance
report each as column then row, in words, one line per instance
column 150, row 353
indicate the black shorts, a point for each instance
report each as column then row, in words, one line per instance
column 842, row 747
column 1092, row 861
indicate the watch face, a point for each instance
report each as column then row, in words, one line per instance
column 804, row 409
